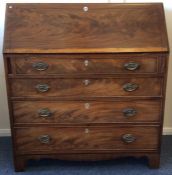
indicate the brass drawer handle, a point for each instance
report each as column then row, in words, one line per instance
column 41, row 66
column 128, row 138
column 45, row 112
column 129, row 87
column 129, row 112
column 131, row 66
column 42, row 87
column 44, row 139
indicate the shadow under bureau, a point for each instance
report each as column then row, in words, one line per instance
column 85, row 81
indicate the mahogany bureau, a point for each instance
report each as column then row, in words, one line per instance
column 85, row 81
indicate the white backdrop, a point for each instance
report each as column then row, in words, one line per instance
column 4, row 118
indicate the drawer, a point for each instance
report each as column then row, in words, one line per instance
column 76, row 112
column 83, row 64
column 69, row 139
column 107, row 87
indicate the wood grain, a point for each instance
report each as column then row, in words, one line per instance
column 68, row 139
column 68, row 29
column 106, row 36
column 79, row 112
column 83, row 64
column 76, row 87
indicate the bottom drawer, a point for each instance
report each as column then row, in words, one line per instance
column 71, row 139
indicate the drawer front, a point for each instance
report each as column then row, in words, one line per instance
column 108, row 87
column 53, row 139
column 75, row 112
column 63, row 64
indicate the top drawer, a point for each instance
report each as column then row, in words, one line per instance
column 84, row 64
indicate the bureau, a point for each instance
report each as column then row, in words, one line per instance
column 85, row 81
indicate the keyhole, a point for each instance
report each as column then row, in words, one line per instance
column 85, row 9
column 86, row 63
column 86, row 131
column 86, row 82
column 87, row 105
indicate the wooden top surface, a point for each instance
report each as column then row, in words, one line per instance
column 67, row 28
